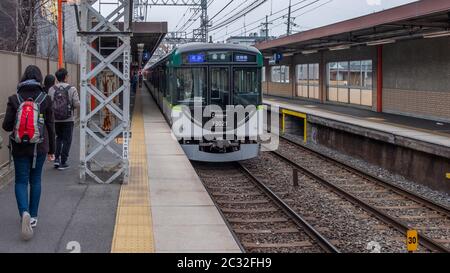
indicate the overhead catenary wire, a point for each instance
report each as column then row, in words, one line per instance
column 191, row 19
column 224, row 8
column 280, row 17
column 273, row 13
column 213, row 16
column 197, row 11
column 181, row 19
column 233, row 8
column 241, row 13
column 313, row 9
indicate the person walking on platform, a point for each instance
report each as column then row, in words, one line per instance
column 65, row 100
column 49, row 82
column 29, row 116
column 134, row 82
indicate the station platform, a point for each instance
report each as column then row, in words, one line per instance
column 422, row 130
column 70, row 213
column 182, row 216
column 164, row 208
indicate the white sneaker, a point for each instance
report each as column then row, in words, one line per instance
column 33, row 222
column 27, row 230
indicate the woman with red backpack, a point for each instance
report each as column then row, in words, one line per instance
column 29, row 116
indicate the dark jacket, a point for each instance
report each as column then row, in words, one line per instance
column 26, row 91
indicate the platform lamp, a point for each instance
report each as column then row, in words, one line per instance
column 140, row 56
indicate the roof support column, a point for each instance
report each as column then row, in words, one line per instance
column 380, row 78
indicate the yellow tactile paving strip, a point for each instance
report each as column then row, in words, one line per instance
column 133, row 232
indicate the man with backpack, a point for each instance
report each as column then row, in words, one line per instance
column 65, row 101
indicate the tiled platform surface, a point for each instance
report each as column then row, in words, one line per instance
column 70, row 213
column 183, row 215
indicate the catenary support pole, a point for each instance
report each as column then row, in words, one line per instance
column 380, row 78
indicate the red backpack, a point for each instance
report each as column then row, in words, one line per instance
column 29, row 128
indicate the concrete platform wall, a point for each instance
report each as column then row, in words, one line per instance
column 418, row 162
column 11, row 69
column 416, row 81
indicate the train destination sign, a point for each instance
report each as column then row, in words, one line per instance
column 196, row 58
column 241, row 58
column 219, row 57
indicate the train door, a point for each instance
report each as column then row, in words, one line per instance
column 220, row 94
column 219, row 86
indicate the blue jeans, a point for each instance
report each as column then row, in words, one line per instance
column 25, row 175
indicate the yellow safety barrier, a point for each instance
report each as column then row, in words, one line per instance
column 285, row 113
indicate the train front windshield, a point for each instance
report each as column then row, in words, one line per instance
column 247, row 86
column 192, row 86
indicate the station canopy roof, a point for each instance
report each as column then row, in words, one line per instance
column 422, row 19
column 150, row 34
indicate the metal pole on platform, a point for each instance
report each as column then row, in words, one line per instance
column 104, row 130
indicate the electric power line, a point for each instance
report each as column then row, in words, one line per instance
column 274, row 13
column 226, row 6
column 308, row 11
column 241, row 13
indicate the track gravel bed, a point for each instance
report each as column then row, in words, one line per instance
column 259, row 223
column 349, row 227
column 416, row 214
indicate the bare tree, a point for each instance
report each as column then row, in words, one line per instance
column 20, row 22
column 27, row 14
column 8, row 24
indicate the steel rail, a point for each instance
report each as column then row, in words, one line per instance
column 401, row 191
column 324, row 243
column 425, row 240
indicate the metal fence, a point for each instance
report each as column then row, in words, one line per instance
column 12, row 65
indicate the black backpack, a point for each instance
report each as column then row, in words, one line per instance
column 62, row 106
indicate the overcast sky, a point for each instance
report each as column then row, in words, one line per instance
column 308, row 14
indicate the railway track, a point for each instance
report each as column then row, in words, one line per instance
column 395, row 206
column 259, row 218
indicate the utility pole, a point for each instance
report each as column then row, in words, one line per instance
column 266, row 28
column 204, row 18
column 289, row 19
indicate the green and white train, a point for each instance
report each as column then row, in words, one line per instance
column 193, row 82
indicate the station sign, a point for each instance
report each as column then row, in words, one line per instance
column 276, row 58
